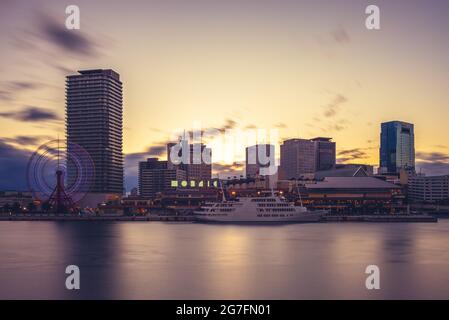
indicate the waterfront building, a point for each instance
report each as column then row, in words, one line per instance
column 259, row 159
column 346, row 170
column 21, row 199
column 197, row 162
column 156, row 177
column 354, row 195
column 303, row 157
column 431, row 189
column 297, row 158
column 94, row 121
column 397, row 147
column 187, row 198
column 325, row 153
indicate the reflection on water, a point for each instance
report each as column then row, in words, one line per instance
column 130, row 260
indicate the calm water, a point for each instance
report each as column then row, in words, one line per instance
column 132, row 260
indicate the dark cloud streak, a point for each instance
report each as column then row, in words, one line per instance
column 351, row 155
column 333, row 107
column 31, row 114
column 13, row 163
column 70, row 41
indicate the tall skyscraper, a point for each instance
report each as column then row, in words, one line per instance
column 397, row 147
column 300, row 157
column 258, row 159
column 94, row 121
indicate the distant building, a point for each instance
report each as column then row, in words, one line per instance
column 428, row 188
column 325, row 150
column 297, row 158
column 346, row 170
column 258, row 160
column 187, row 198
column 397, row 147
column 134, row 192
column 94, row 121
column 10, row 198
column 155, row 177
column 354, row 195
column 195, row 162
column 302, row 157
column 250, row 183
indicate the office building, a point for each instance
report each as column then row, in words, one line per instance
column 156, row 177
column 354, row 195
column 197, row 162
column 428, row 188
column 94, row 121
column 325, row 150
column 297, row 158
column 303, row 157
column 260, row 160
column 397, row 147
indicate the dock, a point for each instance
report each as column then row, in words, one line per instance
column 37, row 217
column 190, row 218
column 380, row 218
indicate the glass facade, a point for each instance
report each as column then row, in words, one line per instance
column 397, row 147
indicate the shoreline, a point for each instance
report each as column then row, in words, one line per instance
column 187, row 218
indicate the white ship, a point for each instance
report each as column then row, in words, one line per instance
column 269, row 209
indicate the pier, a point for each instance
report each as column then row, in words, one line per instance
column 190, row 218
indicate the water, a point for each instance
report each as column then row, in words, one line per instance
column 152, row 260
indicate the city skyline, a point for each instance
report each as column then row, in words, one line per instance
column 325, row 78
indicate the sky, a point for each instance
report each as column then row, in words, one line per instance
column 304, row 68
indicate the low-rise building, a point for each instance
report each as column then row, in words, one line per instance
column 155, row 177
column 12, row 198
column 354, row 195
column 346, row 170
column 423, row 188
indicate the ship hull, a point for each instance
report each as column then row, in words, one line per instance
column 235, row 219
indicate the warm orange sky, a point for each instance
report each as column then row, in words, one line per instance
column 308, row 68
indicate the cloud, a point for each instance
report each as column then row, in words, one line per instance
column 337, row 127
column 11, row 88
column 351, row 155
column 432, row 156
column 332, row 108
column 5, row 95
column 13, row 163
column 26, row 140
column 24, row 85
column 70, row 41
column 31, row 114
column 230, row 124
column 432, row 163
column 226, row 170
column 340, row 36
column 132, row 162
column 159, row 149
column 280, row 125
column 433, row 168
